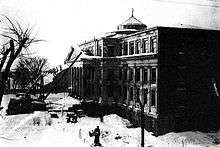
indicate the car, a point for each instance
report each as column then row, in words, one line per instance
column 80, row 113
column 71, row 117
column 53, row 115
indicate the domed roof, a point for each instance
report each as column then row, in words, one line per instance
column 132, row 23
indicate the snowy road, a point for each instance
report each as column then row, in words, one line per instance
column 19, row 130
column 60, row 133
column 23, row 130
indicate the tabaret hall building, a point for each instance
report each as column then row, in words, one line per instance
column 175, row 71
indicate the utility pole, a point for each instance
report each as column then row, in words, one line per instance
column 142, row 103
column 142, row 125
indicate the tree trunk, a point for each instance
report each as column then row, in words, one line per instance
column 2, row 85
column 12, row 57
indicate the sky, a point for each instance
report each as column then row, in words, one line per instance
column 66, row 23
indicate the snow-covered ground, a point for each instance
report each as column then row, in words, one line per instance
column 39, row 129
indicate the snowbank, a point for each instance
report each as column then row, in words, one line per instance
column 56, row 96
column 116, row 121
column 114, row 133
column 36, row 130
column 24, row 125
column 68, row 101
column 188, row 139
column 5, row 102
column 63, row 103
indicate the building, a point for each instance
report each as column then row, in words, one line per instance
column 174, row 71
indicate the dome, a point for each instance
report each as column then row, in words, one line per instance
column 131, row 23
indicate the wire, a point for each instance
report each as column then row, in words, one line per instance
column 189, row 3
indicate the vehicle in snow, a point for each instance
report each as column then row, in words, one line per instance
column 71, row 117
column 80, row 113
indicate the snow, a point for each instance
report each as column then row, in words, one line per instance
column 194, row 139
column 5, row 102
column 39, row 129
column 68, row 101
column 56, row 96
column 116, row 121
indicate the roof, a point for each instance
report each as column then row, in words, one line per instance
column 132, row 21
column 84, row 56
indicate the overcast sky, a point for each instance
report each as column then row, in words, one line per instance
column 63, row 23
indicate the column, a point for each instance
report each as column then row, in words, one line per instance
column 122, row 48
column 149, row 88
column 141, row 86
column 80, row 81
column 103, row 91
column 82, row 85
column 134, row 85
column 95, row 82
column 128, row 48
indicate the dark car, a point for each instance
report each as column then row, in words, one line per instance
column 71, row 117
column 80, row 113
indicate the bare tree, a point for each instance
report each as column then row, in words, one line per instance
column 18, row 39
column 29, row 69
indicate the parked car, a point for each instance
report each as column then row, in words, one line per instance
column 71, row 117
column 53, row 115
column 80, row 113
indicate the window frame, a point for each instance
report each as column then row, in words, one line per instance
column 146, row 43
column 137, row 46
column 153, row 44
column 131, row 47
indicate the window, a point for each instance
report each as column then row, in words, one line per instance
column 120, row 50
column 130, row 74
column 119, row 91
column 125, row 93
column 99, row 52
column 110, row 51
column 99, row 89
column 99, row 74
column 138, row 93
column 145, row 75
column 145, row 46
column 153, row 44
column 88, row 89
column 131, row 93
column 153, row 97
column 92, row 89
column 125, row 48
column 153, row 75
column 92, row 74
column 77, row 73
column 110, row 91
column 137, row 75
column 131, row 47
column 137, row 46
column 120, row 74
column 125, row 74
column 145, row 95
column 110, row 74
